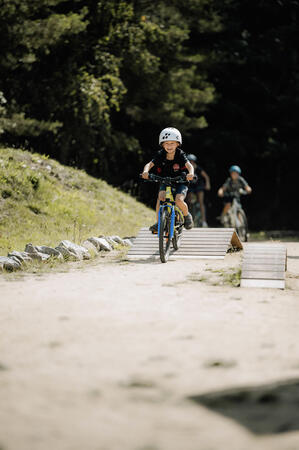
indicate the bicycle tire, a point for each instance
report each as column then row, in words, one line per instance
column 176, row 240
column 242, row 229
column 196, row 214
column 164, row 241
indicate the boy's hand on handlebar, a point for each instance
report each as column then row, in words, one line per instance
column 145, row 175
column 189, row 177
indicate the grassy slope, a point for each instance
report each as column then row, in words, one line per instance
column 43, row 202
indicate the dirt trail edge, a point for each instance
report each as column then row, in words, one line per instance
column 149, row 356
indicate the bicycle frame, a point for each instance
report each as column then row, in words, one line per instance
column 233, row 213
column 169, row 204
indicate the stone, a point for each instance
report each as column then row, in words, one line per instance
column 22, row 257
column 100, row 243
column 35, row 254
column 48, row 251
column 117, row 239
column 80, row 251
column 67, row 254
column 90, row 247
column 111, row 241
column 127, row 242
column 10, row 264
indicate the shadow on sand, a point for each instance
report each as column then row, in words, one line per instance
column 266, row 409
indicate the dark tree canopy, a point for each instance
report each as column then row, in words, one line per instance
column 92, row 83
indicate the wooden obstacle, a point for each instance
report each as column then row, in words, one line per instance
column 198, row 243
column 264, row 265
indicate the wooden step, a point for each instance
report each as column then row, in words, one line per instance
column 196, row 243
column 264, row 265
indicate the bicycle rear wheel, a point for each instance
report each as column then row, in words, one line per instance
column 176, row 240
column 164, row 241
column 242, row 228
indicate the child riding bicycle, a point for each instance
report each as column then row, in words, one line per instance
column 199, row 187
column 231, row 189
column 171, row 161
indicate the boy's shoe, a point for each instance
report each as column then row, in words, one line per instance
column 204, row 224
column 188, row 224
column 154, row 228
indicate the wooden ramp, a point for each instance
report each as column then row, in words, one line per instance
column 196, row 243
column 264, row 265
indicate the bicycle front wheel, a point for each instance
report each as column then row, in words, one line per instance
column 164, row 240
column 242, row 228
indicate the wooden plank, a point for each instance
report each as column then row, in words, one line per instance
column 197, row 233
column 264, row 255
column 183, row 250
column 190, row 233
column 274, row 275
column 192, row 238
column 185, row 245
column 277, row 284
column 264, row 267
column 264, row 261
column 186, row 239
column 264, row 252
column 175, row 256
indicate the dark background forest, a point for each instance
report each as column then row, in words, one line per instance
column 92, row 83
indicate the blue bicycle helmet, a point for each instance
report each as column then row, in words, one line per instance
column 235, row 169
column 192, row 157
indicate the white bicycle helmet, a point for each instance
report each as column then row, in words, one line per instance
column 170, row 134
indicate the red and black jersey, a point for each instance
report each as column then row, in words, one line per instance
column 170, row 168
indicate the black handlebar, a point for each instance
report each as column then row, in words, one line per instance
column 236, row 194
column 168, row 181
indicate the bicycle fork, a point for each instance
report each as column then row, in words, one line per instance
column 172, row 219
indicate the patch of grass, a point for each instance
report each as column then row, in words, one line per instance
column 229, row 276
column 275, row 235
column 233, row 278
column 44, row 202
column 197, row 277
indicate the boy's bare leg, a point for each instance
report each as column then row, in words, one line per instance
column 226, row 209
column 179, row 201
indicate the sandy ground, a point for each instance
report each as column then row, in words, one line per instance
column 140, row 356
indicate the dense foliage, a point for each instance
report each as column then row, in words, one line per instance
column 91, row 83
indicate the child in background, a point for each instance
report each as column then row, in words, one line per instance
column 199, row 187
column 232, row 188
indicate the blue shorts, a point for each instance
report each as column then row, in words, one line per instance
column 179, row 189
column 227, row 198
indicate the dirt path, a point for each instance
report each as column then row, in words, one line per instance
column 108, row 358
